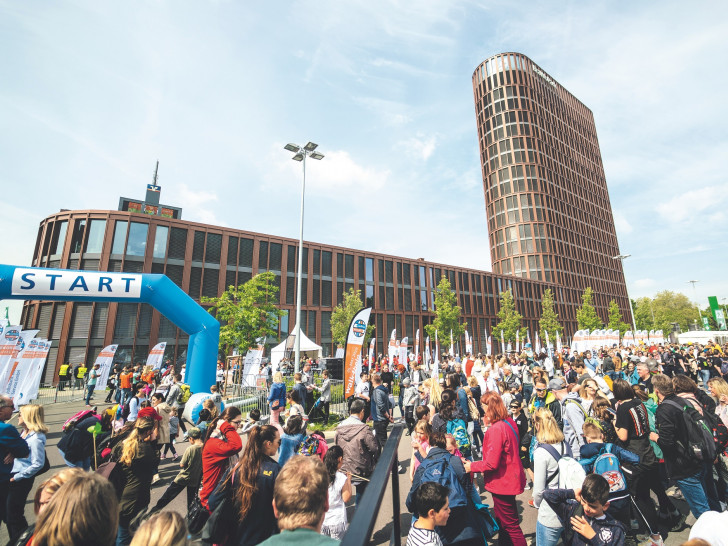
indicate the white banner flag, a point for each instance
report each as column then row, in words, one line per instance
column 22, row 339
column 251, row 363
column 393, row 348
column 403, row 351
column 417, row 344
column 104, row 360
column 20, row 368
column 452, row 345
column 28, row 389
column 371, row 353
column 428, row 354
column 8, row 340
column 156, row 355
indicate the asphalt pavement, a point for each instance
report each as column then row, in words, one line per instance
column 56, row 415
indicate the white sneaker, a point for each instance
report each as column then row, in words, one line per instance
column 649, row 541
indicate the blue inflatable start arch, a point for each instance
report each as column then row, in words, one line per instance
column 38, row 283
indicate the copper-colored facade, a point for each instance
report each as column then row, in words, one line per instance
column 204, row 259
column 549, row 215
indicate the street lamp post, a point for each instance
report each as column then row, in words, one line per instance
column 301, row 153
column 621, row 258
column 695, row 293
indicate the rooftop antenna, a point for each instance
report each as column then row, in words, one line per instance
column 156, row 170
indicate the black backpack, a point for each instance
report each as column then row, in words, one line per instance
column 700, row 442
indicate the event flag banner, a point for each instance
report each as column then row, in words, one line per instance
column 30, row 383
column 251, row 363
column 20, row 368
column 452, row 345
column 8, row 339
column 393, row 347
column 156, row 355
column 104, row 360
column 503, row 342
column 558, row 342
column 22, row 338
column 403, row 351
column 436, row 362
column 352, row 352
column 417, row 344
column 468, row 343
column 428, row 354
column 371, row 351
column 518, row 342
column 537, row 345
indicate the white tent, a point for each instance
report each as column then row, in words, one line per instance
column 308, row 348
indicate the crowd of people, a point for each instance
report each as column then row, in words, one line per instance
column 606, row 441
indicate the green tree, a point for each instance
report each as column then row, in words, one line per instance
column 586, row 315
column 615, row 321
column 510, row 319
column 549, row 321
column 343, row 313
column 447, row 315
column 247, row 312
column 669, row 307
column 643, row 314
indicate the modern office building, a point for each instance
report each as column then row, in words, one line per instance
column 549, row 219
column 549, row 215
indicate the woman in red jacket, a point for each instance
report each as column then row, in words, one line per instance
column 223, row 441
column 502, row 471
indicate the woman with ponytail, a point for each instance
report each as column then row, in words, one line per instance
column 137, row 459
column 253, row 487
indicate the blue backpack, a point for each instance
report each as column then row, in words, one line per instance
column 607, row 466
column 440, row 471
column 459, row 431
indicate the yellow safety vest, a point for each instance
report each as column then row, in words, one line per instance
column 81, row 372
column 63, row 370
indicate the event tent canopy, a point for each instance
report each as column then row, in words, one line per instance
column 308, row 348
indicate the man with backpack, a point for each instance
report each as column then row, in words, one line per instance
column 441, row 467
column 175, row 397
column 674, row 436
column 572, row 413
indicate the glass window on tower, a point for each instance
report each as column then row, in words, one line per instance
column 160, row 242
column 117, row 246
column 137, row 243
column 95, row 236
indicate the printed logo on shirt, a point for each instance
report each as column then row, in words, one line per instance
column 605, row 535
column 267, row 472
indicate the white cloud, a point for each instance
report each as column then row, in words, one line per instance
column 690, row 204
column 419, row 147
column 644, row 283
column 196, row 205
column 621, row 224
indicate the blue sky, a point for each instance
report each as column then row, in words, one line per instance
column 94, row 93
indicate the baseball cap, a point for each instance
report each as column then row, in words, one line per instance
column 557, row 384
column 149, row 412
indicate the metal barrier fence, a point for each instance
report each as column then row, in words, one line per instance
column 248, row 398
column 65, row 391
column 362, row 525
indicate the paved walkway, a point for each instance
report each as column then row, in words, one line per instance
column 56, row 415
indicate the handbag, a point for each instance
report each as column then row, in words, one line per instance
column 485, row 520
column 46, row 464
column 218, row 525
column 197, row 516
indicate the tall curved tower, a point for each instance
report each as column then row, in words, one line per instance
column 549, row 215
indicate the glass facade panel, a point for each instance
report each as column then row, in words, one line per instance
column 137, row 243
column 95, row 237
column 117, row 246
column 160, row 242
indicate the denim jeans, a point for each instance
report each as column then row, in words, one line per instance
column 705, row 376
column 89, row 393
column 694, row 491
column 547, row 536
column 83, row 463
